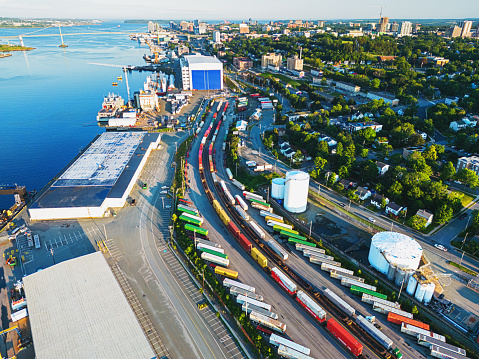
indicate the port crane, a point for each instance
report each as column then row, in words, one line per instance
column 124, row 67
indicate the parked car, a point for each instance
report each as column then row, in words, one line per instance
column 440, row 247
column 463, row 215
column 164, row 192
column 167, row 206
column 371, row 219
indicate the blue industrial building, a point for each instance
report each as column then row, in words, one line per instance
column 201, row 73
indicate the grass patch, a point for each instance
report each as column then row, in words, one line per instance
column 466, row 199
column 7, row 48
column 281, row 77
column 464, row 269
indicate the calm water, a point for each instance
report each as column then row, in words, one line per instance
column 49, row 98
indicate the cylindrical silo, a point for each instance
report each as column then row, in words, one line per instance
column 277, row 188
column 391, row 271
column 393, row 247
column 296, row 191
column 420, row 291
column 411, row 285
column 400, row 277
column 430, row 288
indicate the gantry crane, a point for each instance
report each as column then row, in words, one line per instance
column 124, row 67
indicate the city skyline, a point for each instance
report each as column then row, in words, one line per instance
column 215, row 10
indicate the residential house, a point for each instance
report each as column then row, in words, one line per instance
column 382, row 167
column 363, row 193
column 357, row 116
column 458, row 125
column 394, row 209
column 281, row 131
column 331, row 142
column 346, row 184
column 356, row 126
column 450, row 99
column 428, row 216
column 241, row 125
column 295, row 116
column 347, row 86
column 422, row 134
column 289, row 153
column 283, row 143
column 387, row 98
column 377, row 200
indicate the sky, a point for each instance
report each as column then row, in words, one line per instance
column 239, row 10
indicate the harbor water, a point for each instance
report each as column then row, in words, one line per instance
column 50, row 97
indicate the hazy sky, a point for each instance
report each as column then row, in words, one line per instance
column 243, row 9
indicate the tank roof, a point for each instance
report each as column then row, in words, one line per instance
column 395, row 245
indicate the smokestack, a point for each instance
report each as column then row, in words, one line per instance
column 300, row 52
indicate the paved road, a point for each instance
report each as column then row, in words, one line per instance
column 137, row 239
column 301, row 327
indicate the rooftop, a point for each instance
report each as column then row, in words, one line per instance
column 199, row 59
column 77, row 310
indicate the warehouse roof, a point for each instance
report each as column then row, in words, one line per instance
column 77, row 310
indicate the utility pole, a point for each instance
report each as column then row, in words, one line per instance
column 310, row 227
column 462, row 256
column 400, row 290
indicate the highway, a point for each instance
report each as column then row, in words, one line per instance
column 300, row 326
column 137, row 240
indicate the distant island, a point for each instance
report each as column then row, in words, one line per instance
column 8, row 48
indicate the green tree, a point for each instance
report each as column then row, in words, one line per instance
column 468, row 176
column 343, row 172
column 375, row 83
column 339, row 149
column 370, row 171
column 395, row 191
column 416, row 222
column 443, row 214
column 364, row 153
column 448, row 171
column 430, row 153
column 319, row 163
column 323, row 149
column 414, row 309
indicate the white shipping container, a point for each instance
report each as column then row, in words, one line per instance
column 348, row 282
column 230, row 175
column 208, row 243
column 276, row 340
column 288, row 283
column 241, row 202
column 374, row 332
column 200, row 245
column 311, row 304
column 241, row 299
column 345, row 307
column 266, row 214
column 261, row 207
column 273, row 223
column 242, row 213
column 215, row 259
column 277, row 249
column 268, row 167
column 438, row 352
column 310, row 253
column 366, row 298
column 238, row 184
column 381, row 308
column 256, row 229
column 328, row 267
column 230, row 197
column 259, row 169
column 321, row 261
column 228, row 283
column 215, row 178
column 248, row 308
column 186, row 214
column 290, row 353
column 415, row 331
column 301, row 247
column 267, row 322
column 340, row 276
column 253, row 195
column 240, row 291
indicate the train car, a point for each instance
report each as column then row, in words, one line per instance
column 213, row 252
column 277, row 249
column 384, row 309
column 348, row 340
column 190, row 220
column 183, row 211
column 289, row 231
column 233, row 229
column 259, row 202
column 290, row 353
column 200, row 162
column 240, row 291
column 328, row 268
column 268, row 322
column 215, row 177
column 295, row 236
column 245, row 243
column 241, row 202
column 271, row 218
column 199, row 219
column 223, row 216
column 183, row 207
column 359, row 291
column 225, row 272
column 379, row 336
column 230, row 197
column 208, row 243
column 340, row 276
column 241, row 299
column 322, row 261
column 212, row 167
column 229, row 174
column 303, row 245
column 252, row 195
column 209, row 246
column 415, row 331
column 308, row 253
column 215, row 259
column 228, row 283
column 366, row 298
column 261, row 207
column 273, row 223
column 311, row 306
column 238, row 184
column 339, row 302
column 270, row 214
column 277, row 340
column 427, row 341
column 283, row 280
column 259, row 258
column 182, row 200
column 257, row 229
column 242, row 213
column 348, row 282
column 248, row 308
column 438, row 352
column 399, row 319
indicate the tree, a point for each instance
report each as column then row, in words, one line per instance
column 343, row 172
column 416, row 222
column 364, row 153
column 395, row 191
column 448, row 171
column 430, row 153
column 375, row 83
column 319, row 163
column 339, row 149
column 468, row 176
column 323, row 149
column 443, row 214
column 370, row 171
column 297, row 156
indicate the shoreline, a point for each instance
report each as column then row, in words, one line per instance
column 4, row 48
column 5, row 55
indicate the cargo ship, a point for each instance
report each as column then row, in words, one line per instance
column 112, row 105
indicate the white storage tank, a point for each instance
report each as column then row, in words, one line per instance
column 393, row 247
column 411, row 285
column 391, row 271
column 296, row 191
column 400, row 277
column 277, row 188
column 430, row 288
column 420, row 291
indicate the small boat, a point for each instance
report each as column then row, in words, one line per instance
column 115, row 84
column 119, row 78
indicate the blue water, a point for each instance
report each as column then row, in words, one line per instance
column 49, row 98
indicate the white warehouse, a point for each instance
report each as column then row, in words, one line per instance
column 201, row 73
column 101, row 178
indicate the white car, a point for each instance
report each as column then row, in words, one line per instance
column 441, row 247
column 371, row 219
column 165, row 187
column 164, row 192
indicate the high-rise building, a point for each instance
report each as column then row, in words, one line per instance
column 466, row 28
column 151, row 26
column 395, row 27
column 271, row 59
column 242, row 63
column 406, row 28
column 216, row 36
column 294, row 63
column 453, row 31
column 383, row 24
column 243, row 29
column 321, row 23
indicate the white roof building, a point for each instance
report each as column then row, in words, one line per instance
column 78, row 311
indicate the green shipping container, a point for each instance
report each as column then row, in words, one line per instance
column 190, row 220
column 284, row 229
column 260, row 202
column 218, row 254
column 196, row 229
column 360, row 291
column 188, row 211
column 296, row 240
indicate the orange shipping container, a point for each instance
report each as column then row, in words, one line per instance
column 399, row 319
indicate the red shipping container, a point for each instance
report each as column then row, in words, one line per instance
column 200, row 161
column 233, row 229
column 244, row 242
column 350, row 342
column 399, row 319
